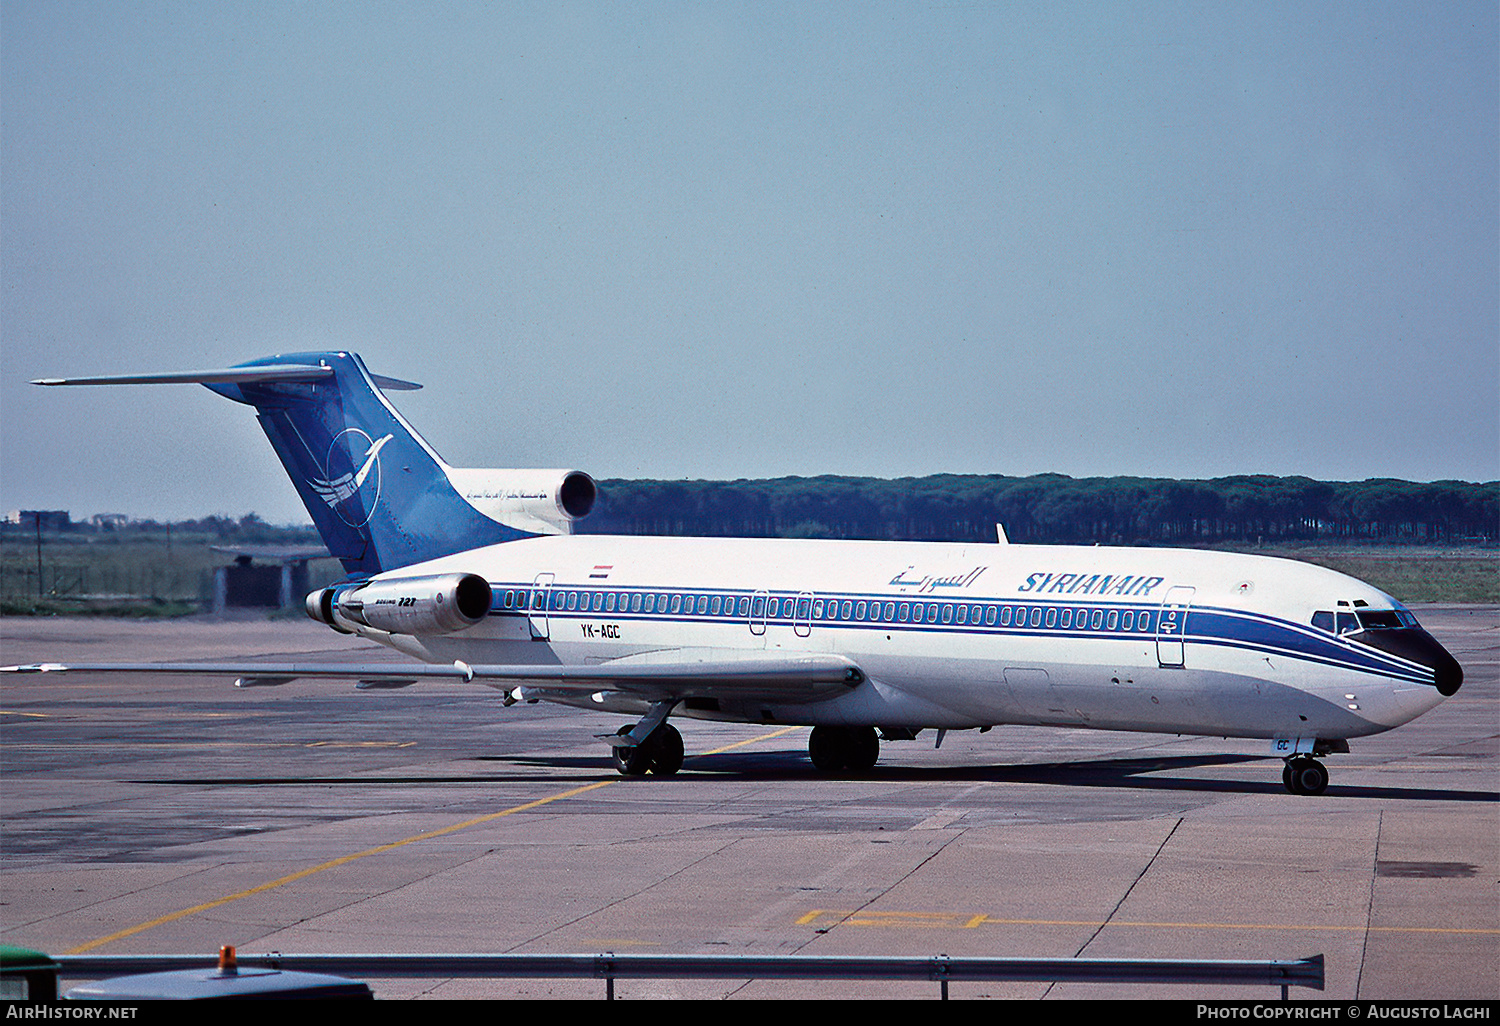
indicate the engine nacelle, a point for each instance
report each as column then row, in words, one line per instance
column 440, row 604
column 538, row 501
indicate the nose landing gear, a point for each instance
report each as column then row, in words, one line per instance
column 1305, row 775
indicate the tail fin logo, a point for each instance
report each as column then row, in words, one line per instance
column 353, row 494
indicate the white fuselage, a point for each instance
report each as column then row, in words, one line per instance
column 952, row 635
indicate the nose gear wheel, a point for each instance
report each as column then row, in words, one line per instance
column 1305, row 775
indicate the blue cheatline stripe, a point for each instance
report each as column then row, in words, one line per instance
column 1209, row 625
column 1264, row 633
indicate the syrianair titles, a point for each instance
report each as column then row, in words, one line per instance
column 1089, row 584
column 477, row 576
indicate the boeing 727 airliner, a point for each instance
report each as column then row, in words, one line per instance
column 477, row 575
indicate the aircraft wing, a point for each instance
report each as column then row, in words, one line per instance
column 672, row 675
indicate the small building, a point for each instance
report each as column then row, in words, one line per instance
column 279, row 582
column 47, row 519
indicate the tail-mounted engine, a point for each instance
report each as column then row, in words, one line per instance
column 440, row 604
column 539, row 501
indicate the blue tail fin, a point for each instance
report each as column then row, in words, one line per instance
column 379, row 495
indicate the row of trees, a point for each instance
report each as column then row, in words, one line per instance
column 948, row 507
column 1055, row 508
column 249, row 529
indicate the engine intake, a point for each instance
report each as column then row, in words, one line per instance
column 439, row 604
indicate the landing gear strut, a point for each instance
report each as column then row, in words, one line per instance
column 1305, row 775
column 660, row 753
column 843, row 748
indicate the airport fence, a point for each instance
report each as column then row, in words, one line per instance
column 609, row 967
column 82, row 583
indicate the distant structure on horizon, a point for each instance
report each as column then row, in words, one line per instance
column 48, row 519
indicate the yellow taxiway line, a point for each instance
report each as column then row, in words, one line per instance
column 960, row 920
column 346, row 859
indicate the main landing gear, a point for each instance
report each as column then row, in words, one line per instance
column 650, row 746
column 660, row 753
column 843, row 748
column 1305, row 775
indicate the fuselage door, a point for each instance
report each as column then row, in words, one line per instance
column 1171, row 626
column 758, row 612
column 541, row 595
column 802, row 624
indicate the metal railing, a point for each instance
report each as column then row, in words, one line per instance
column 940, row 969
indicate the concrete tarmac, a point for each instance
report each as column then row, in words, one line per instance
column 176, row 815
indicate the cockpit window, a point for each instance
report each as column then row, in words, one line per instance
column 1363, row 618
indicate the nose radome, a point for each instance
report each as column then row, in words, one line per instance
column 1448, row 675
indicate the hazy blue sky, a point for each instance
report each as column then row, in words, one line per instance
column 717, row 240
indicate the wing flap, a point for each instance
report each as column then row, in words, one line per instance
column 794, row 677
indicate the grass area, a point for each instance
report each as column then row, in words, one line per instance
column 144, row 609
column 1410, row 574
column 111, row 576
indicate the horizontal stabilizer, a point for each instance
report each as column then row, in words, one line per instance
column 257, row 375
column 227, row 376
